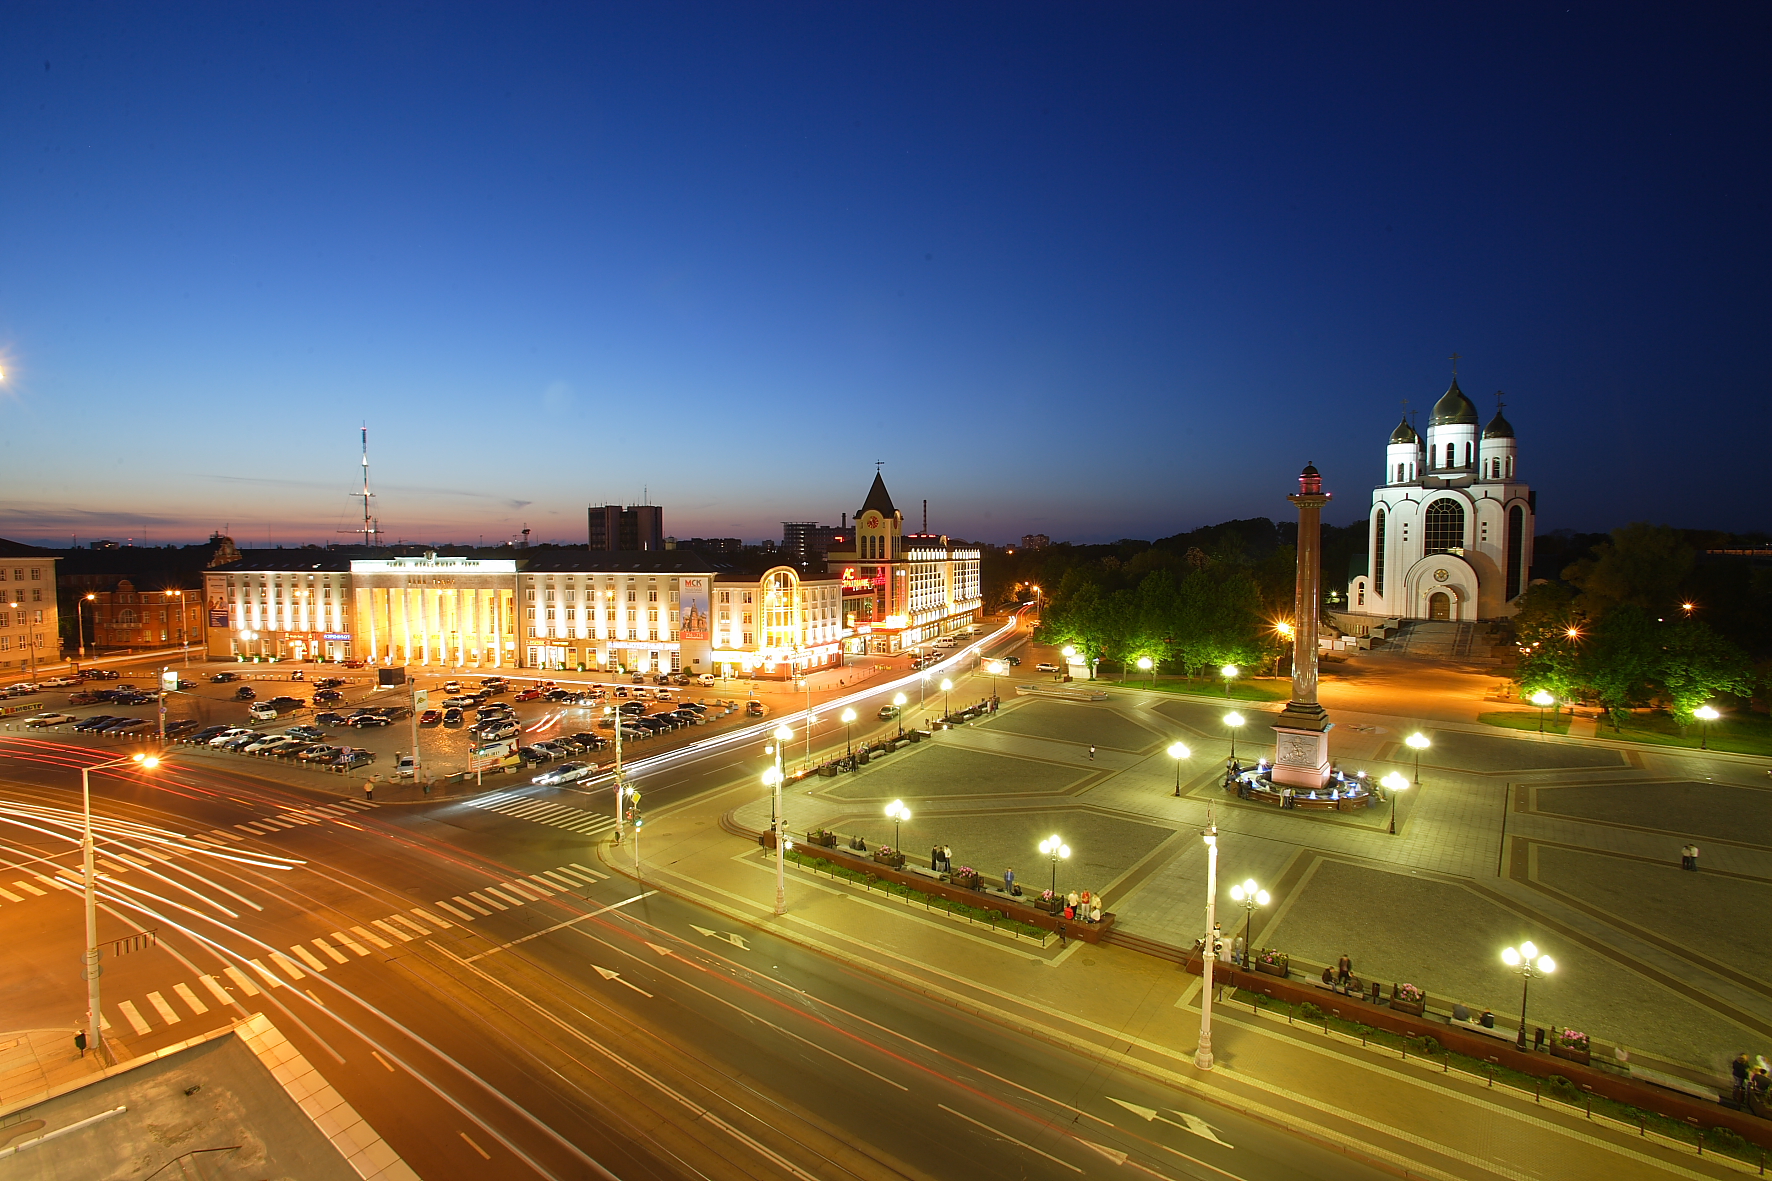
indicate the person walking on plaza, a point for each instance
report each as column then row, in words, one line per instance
column 1009, row 881
column 1344, row 968
column 1091, row 752
column 1740, row 1068
column 1694, row 865
column 369, row 790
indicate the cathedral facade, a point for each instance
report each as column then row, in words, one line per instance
column 1450, row 533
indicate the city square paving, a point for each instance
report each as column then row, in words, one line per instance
column 1571, row 843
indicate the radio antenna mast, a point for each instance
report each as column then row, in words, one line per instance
column 371, row 527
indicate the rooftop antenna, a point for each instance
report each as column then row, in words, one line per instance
column 371, row 527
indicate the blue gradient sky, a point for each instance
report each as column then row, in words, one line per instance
column 1088, row 270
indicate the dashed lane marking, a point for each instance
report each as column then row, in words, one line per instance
column 308, row 958
column 591, row 873
column 288, row 965
column 9, row 895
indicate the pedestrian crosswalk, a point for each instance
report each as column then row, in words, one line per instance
column 268, row 825
column 324, row 953
column 545, row 812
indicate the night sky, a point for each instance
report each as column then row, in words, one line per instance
column 1092, row 270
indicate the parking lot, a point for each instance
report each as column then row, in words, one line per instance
column 444, row 748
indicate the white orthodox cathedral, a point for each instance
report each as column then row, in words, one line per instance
column 1451, row 526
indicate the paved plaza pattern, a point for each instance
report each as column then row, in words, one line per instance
column 1572, row 843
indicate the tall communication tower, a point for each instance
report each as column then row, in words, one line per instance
column 371, row 527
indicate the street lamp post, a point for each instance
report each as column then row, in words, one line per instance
column 898, row 700
column 1531, row 965
column 1251, row 897
column 1069, row 652
column 1543, row 701
column 1705, row 715
column 1417, row 742
column 80, row 622
column 1178, row 751
column 1394, row 783
column 1231, row 721
column 1203, row 1055
column 1057, row 851
column 91, row 968
column 947, row 687
column 184, row 641
column 847, row 716
column 773, row 776
column 1229, row 673
column 996, row 668
column 1147, row 665
column 899, row 814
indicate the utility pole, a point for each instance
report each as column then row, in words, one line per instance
column 419, row 699
column 1203, row 1055
column 620, row 787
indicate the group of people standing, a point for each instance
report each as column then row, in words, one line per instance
column 1689, row 857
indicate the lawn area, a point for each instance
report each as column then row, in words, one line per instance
column 1512, row 719
column 1266, row 689
column 1741, row 733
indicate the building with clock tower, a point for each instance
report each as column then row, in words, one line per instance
column 901, row 589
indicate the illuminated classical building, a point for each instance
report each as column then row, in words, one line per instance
column 901, row 589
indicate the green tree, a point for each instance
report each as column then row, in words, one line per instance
column 1643, row 566
column 1622, row 659
column 1697, row 664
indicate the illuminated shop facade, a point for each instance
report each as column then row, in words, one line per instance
column 778, row 624
column 900, row 589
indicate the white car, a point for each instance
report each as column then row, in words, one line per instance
column 405, row 767
column 49, row 719
column 564, row 773
column 262, row 712
column 272, row 742
column 60, row 682
column 1046, row 667
column 229, row 735
column 707, row 679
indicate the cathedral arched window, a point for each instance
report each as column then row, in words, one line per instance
column 1399, row 473
column 1451, row 454
column 1378, row 553
column 1467, row 455
column 1443, row 527
column 1510, row 467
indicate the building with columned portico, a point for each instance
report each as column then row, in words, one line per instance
column 1451, row 526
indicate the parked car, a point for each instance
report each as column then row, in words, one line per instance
column 98, row 674
column 285, row 702
column 244, row 693
column 888, row 712
column 529, row 695
column 487, row 731
column 180, row 727
column 352, row 756
column 128, row 725
column 330, row 718
column 430, row 717
column 262, row 711
column 708, row 679
column 327, row 697
column 267, row 742
column 405, row 767
column 60, row 682
column 363, row 721
column 237, row 742
column 564, row 773
column 452, row 717
column 330, row 683
column 231, row 733
column 37, row 720
column 459, row 701
column 589, row 741
column 223, row 678
column 320, row 754
column 548, row 748
column 754, row 708
column 311, row 732
column 1046, row 666
column 528, row 756
column 205, row 734
column 452, row 686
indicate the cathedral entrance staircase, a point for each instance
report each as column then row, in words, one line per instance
column 1438, row 639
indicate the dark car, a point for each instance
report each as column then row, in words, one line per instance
column 329, row 683
column 240, row 741
column 313, row 732
column 96, row 722
column 452, row 717
column 590, row 741
column 1011, row 661
column 223, row 678
column 362, row 721
column 528, row 756
column 330, row 718
column 182, row 726
column 327, row 697
column 245, row 693
column 283, row 702
column 352, row 758
column 98, row 674
column 205, row 734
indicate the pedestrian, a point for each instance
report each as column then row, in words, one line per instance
column 1091, row 752
column 80, row 1044
column 947, row 859
column 1009, row 881
column 369, row 789
column 1694, row 866
column 1344, row 967
column 1740, row 1068
column 1061, row 934
column 1538, row 1038
column 1238, row 951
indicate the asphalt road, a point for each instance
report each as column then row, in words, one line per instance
column 494, row 1003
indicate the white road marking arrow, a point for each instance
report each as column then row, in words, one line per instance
column 735, row 940
column 1113, row 1154
column 658, row 949
column 616, row 976
column 1191, row 1123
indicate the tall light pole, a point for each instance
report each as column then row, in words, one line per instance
column 1705, row 715
column 1543, row 701
column 1231, row 721
column 1056, row 850
column 80, row 622
column 1178, row 751
column 1069, row 652
column 898, row 701
column 899, row 814
column 91, row 968
column 184, row 642
column 947, row 687
column 1251, row 897
column 996, row 668
column 1146, row 665
column 1394, row 783
column 1203, row 1055
column 773, row 776
column 1417, row 742
column 1531, row 965
column 847, row 716
column 1229, row 673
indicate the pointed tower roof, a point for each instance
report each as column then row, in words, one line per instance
column 879, row 500
column 1453, row 408
column 1498, row 428
column 1405, row 433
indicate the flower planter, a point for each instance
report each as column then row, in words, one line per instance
column 862, row 758
column 894, row 860
column 1402, row 1005
column 967, row 881
column 827, row 840
column 1569, row 1053
column 1280, row 969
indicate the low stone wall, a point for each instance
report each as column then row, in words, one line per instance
column 1483, row 1048
column 1009, row 908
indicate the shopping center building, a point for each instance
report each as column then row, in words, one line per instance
column 900, row 589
